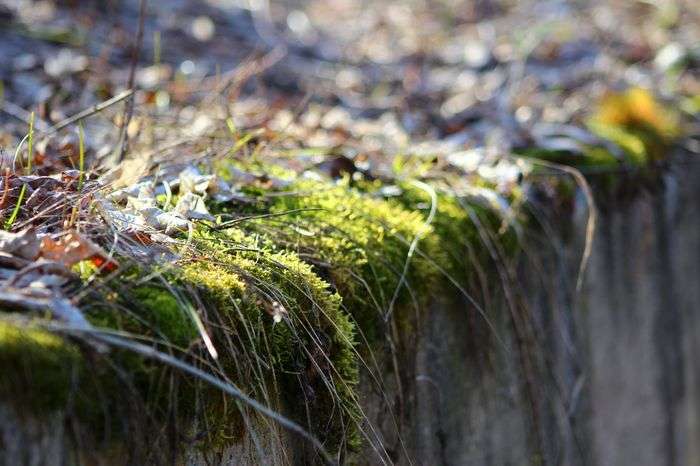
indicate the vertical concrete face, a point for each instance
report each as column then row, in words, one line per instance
column 25, row 441
column 470, row 414
column 641, row 307
column 619, row 372
column 628, row 408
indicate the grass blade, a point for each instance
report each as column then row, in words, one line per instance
column 30, row 144
column 81, row 152
column 15, row 211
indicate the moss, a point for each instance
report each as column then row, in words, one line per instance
column 360, row 242
column 165, row 315
column 283, row 299
column 37, row 367
column 310, row 342
column 44, row 374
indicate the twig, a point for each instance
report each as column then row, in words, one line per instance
column 6, row 188
column 239, row 75
column 30, row 144
column 129, row 107
column 81, row 152
column 21, row 114
column 232, row 223
column 90, row 111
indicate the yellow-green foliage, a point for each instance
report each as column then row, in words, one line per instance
column 360, row 241
column 282, row 297
column 638, row 123
column 245, row 282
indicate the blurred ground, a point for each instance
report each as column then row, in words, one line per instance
column 463, row 74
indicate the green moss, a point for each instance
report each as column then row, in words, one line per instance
column 310, row 342
column 165, row 315
column 37, row 367
column 359, row 241
column 284, row 297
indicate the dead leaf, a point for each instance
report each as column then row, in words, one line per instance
column 192, row 206
column 131, row 171
column 192, row 181
column 24, row 244
column 73, row 248
column 171, row 222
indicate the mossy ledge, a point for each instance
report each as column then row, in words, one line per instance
column 285, row 296
column 294, row 300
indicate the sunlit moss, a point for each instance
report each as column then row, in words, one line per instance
column 284, row 295
column 359, row 241
column 277, row 306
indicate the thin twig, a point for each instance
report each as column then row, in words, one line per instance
column 129, row 107
column 239, row 75
column 21, row 114
column 6, row 188
column 89, row 111
column 232, row 223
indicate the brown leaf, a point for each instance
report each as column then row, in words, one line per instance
column 73, row 248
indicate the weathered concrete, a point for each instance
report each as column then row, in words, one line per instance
column 604, row 377
column 613, row 375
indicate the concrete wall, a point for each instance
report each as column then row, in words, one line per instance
column 609, row 376
column 605, row 377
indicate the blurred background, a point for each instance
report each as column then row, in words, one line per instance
column 480, row 73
